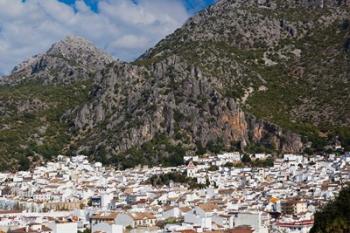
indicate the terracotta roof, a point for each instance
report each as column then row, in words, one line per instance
column 185, row 209
column 226, row 191
column 10, row 212
column 142, row 216
column 190, row 165
column 186, row 231
column 104, row 216
column 21, row 230
column 166, row 208
column 208, row 207
column 296, row 223
column 24, row 230
column 216, row 231
column 45, row 228
column 241, row 229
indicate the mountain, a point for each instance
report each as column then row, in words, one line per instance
column 35, row 96
column 241, row 75
column 71, row 59
column 286, row 62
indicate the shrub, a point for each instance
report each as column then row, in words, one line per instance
column 246, row 159
column 335, row 216
column 216, row 146
column 24, row 163
column 213, row 168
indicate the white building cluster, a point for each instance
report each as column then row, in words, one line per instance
column 73, row 194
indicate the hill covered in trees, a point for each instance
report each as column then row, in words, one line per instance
column 256, row 76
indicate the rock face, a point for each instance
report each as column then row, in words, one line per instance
column 257, row 75
column 174, row 99
column 66, row 61
column 267, row 56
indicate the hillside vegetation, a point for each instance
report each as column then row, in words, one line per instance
column 256, row 76
column 335, row 216
column 284, row 62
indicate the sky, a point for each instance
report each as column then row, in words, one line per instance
column 123, row 28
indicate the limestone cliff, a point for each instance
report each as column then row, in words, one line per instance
column 256, row 75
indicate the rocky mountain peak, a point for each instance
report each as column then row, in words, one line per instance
column 254, row 75
column 73, row 47
column 72, row 42
column 66, row 60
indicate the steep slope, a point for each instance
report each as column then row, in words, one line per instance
column 36, row 95
column 121, row 113
column 247, row 75
column 284, row 61
column 170, row 103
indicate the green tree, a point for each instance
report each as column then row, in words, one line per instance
column 213, row 168
column 246, row 159
column 216, row 146
column 228, row 164
column 200, row 149
column 334, row 217
column 85, row 231
column 24, row 163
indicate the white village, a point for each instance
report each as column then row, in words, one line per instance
column 208, row 194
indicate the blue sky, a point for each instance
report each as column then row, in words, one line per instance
column 191, row 5
column 123, row 28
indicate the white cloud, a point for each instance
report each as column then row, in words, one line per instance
column 130, row 41
column 121, row 27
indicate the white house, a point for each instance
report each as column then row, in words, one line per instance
column 144, row 219
column 302, row 226
column 106, row 227
column 256, row 220
column 201, row 216
column 230, row 157
column 261, row 155
column 125, row 220
column 292, row 158
column 191, row 170
column 32, row 228
column 300, row 207
column 171, row 212
column 63, row 227
column 224, row 220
